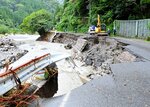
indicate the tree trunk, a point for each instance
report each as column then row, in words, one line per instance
column 43, row 35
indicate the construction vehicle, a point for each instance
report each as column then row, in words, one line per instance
column 100, row 30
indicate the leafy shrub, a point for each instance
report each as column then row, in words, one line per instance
column 39, row 21
column 148, row 38
column 16, row 30
column 4, row 29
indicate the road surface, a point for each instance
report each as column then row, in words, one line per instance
column 129, row 86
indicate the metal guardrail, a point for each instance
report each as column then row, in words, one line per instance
column 26, row 70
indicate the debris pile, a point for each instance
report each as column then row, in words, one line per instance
column 98, row 52
column 9, row 51
column 103, row 53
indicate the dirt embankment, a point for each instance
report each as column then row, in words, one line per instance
column 65, row 38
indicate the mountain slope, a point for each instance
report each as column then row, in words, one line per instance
column 12, row 12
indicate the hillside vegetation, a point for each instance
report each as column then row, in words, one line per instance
column 79, row 14
column 12, row 12
column 72, row 15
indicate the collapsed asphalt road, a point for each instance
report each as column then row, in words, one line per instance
column 127, row 86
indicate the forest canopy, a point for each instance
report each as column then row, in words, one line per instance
column 12, row 12
column 72, row 15
column 79, row 14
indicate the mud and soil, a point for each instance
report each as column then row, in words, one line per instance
column 65, row 38
column 99, row 52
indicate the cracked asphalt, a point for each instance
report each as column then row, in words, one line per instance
column 129, row 86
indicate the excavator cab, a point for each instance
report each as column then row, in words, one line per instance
column 103, row 27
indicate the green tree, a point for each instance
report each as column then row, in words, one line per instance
column 73, row 16
column 39, row 21
column 77, row 12
column 3, row 29
column 12, row 12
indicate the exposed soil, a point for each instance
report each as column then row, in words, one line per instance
column 99, row 52
column 65, row 38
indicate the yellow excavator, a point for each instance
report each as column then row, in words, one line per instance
column 100, row 30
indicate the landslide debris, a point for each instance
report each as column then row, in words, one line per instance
column 98, row 52
column 9, row 51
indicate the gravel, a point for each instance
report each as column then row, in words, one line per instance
column 99, row 52
column 9, row 51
